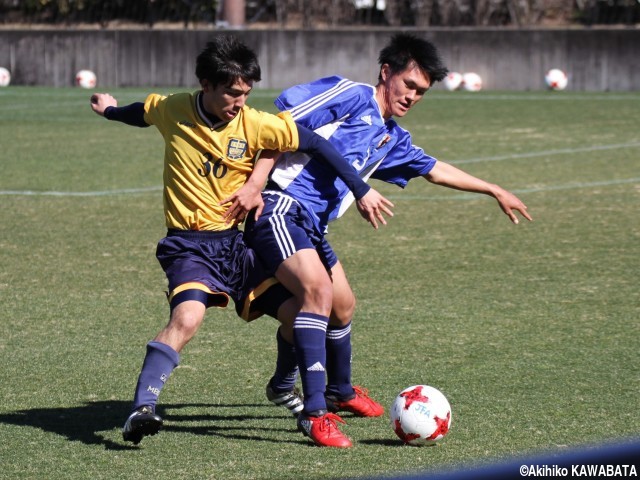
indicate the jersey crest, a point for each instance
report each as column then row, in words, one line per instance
column 236, row 148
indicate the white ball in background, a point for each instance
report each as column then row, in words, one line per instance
column 471, row 82
column 556, row 79
column 452, row 81
column 86, row 79
column 5, row 77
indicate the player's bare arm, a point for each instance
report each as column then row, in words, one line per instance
column 447, row 175
column 101, row 101
column 248, row 197
column 372, row 206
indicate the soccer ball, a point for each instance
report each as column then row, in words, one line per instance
column 5, row 77
column 556, row 79
column 452, row 81
column 472, row 82
column 86, row 79
column 420, row 415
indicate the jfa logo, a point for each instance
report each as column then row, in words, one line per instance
column 422, row 409
column 236, row 148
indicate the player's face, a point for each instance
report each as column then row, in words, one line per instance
column 402, row 90
column 225, row 101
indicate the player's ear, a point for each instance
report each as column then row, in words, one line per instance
column 205, row 84
column 385, row 72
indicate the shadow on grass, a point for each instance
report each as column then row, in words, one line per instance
column 88, row 422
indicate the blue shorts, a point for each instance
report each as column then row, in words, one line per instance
column 213, row 267
column 284, row 228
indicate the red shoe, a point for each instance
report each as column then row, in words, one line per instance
column 323, row 430
column 361, row 404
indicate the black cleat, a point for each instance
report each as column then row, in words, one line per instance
column 292, row 399
column 141, row 422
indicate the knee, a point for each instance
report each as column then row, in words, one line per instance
column 317, row 298
column 343, row 312
column 185, row 322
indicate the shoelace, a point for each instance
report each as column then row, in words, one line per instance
column 329, row 421
column 361, row 391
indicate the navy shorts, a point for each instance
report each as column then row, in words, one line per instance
column 214, row 267
column 284, row 228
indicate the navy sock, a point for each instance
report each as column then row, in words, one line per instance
column 309, row 333
column 158, row 364
column 339, row 361
column 286, row 374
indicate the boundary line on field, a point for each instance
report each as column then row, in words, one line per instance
column 544, row 153
column 125, row 191
column 462, row 196
column 100, row 193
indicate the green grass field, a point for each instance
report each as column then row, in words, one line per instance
column 532, row 331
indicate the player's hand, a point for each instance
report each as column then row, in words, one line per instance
column 101, row 101
column 510, row 204
column 372, row 206
column 242, row 202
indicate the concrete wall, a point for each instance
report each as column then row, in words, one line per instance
column 595, row 59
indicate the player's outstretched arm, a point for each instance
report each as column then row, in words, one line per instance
column 449, row 176
column 107, row 106
column 372, row 206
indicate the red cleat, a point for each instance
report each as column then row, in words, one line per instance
column 323, row 430
column 360, row 404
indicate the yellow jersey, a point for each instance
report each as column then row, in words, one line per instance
column 205, row 163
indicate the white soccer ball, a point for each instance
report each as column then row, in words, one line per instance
column 86, row 79
column 420, row 415
column 471, row 82
column 556, row 79
column 5, row 77
column 452, row 81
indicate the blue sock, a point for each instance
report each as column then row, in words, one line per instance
column 309, row 332
column 158, row 364
column 339, row 362
column 286, row 374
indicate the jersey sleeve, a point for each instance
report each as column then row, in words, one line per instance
column 278, row 132
column 154, row 107
column 404, row 162
column 323, row 101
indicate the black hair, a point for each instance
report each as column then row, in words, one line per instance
column 405, row 48
column 226, row 59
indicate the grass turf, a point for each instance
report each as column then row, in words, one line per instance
column 531, row 330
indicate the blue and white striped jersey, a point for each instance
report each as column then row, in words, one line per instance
column 345, row 113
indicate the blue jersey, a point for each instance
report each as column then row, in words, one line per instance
column 347, row 114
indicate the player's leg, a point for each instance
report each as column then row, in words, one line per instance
column 338, row 341
column 304, row 275
column 299, row 274
column 341, row 395
column 259, row 293
column 184, row 257
column 281, row 389
column 162, row 357
column 284, row 237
